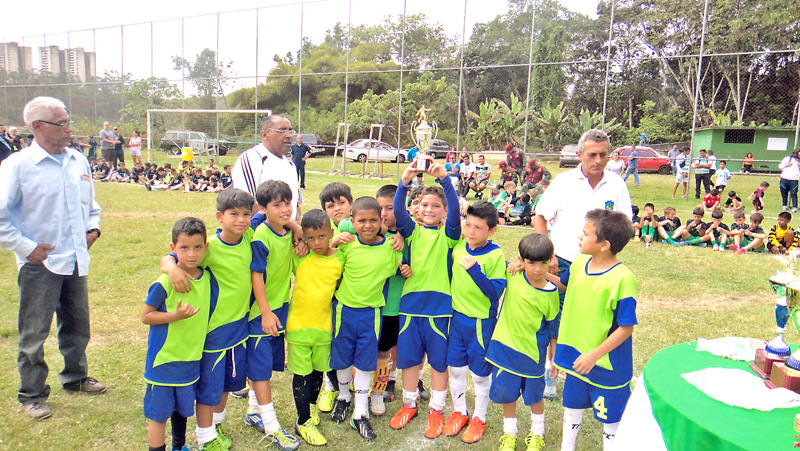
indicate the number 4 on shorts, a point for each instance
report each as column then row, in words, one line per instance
column 600, row 407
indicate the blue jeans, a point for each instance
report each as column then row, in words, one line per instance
column 635, row 170
column 788, row 190
column 43, row 293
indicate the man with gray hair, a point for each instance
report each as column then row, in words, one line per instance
column 570, row 196
column 49, row 218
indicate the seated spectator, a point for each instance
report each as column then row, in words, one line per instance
column 734, row 203
column 667, row 224
column 506, row 175
column 137, row 173
column 647, row 223
column 502, row 202
column 175, row 180
column 121, row 174
column 211, row 165
column 692, row 231
column 717, row 232
column 225, row 177
column 452, row 168
column 752, row 238
column 535, row 174
column 711, row 201
column 481, row 179
column 160, row 181
column 521, row 210
column 467, row 173
column 215, row 186
column 635, row 219
column 782, row 238
column 101, row 173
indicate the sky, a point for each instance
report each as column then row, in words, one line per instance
column 143, row 51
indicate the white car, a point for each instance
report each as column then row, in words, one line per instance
column 362, row 150
column 569, row 156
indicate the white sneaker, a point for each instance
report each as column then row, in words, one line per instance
column 794, row 209
column 785, row 208
column 550, row 391
column 716, row 247
column 376, row 405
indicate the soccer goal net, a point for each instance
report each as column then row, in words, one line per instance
column 204, row 133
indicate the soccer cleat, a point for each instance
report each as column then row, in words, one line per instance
column 676, row 243
column 314, row 414
column 423, row 393
column 741, row 250
column 222, row 436
column 455, row 423
column 733, row 247
column 474, row 431
column 435, row 425
column 376, row 405
column 362, row 426
column 716, row 247
column 239, row 394
column 401, row 418
column 214, row 445
column 534, row 443
column 508, row 442
column 389, row 393
column 309, row 433
column 327, row 398
column 283, row 440
column 254, row 420
column 339, row 413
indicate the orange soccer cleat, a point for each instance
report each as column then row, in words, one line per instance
column 401, row 418
column 455, row 423
column 474, row 431
column 435, row 424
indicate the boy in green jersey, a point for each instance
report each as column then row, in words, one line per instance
column 595, row 344
column 178, row 323
column 271, row 268
column 308, row 324
column 229, row 256
column 478, row 282
column 518, row 349
column 369, row 261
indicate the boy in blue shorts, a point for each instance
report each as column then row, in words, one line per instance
column 479, row 279
column 308, row 324
column 178, row 323
column 595, row 345
column 369, row 261
column 518, row 349
column 222, row 368
column 271, row 272
column 425, row 307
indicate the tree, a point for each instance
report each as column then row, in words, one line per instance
column 150, row 93
column 208, row 77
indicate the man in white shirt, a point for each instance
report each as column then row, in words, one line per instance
column 49, row 218
column 269, row 161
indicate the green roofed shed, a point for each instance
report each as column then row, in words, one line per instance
column 768, row 145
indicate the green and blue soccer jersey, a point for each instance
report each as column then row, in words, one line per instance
column 309, row 321
column 366, row 268
column 521, row 326
column 174, row 349
column 393, row 288
column 272, row 256
column 594, row 307
column 231, row 265
column 477, row 291
column 427, row 291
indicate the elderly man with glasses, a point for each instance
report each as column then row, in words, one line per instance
column 50, row 226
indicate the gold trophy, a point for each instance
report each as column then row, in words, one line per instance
column 422, row 133
column 647, row 239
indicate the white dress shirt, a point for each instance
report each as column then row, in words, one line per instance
column 47, row 201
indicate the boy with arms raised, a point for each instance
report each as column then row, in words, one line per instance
column 595, row 344
column 369, row 261
column 308, row 325
column 271, row 271
column 222, row 368
column 425, row 307
column 178, row 324
column 478, row 282
column 520, row 341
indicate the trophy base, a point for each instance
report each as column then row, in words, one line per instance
column 785, row 377
column 763, row 364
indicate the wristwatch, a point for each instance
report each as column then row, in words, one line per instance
column 94, row 230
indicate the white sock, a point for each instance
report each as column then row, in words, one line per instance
column 572, row 424
column 510, row 426
column 537, row 424
column 270, row 418
column 458, row 388
column 252, row 402
column 345, row 376
column 361, row 383
column 219, row 417
column 205, row 435
column 410, row 397
column 328, row 383
column 437, row 399
column 609, row 432
column 482, row 385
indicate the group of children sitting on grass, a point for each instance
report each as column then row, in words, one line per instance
column 379, row 283
column 154, row 177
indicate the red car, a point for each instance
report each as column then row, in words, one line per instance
column 649, row 159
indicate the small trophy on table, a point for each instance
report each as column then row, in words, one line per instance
column 422, row 133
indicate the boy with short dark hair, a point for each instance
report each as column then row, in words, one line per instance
column 736, row 229
column 723, row 176
column 478, row 282
column 712, row 200
column 752, row 238
column 482, row 173
column 758, row 197
column 734, row 203
column 518, row 348
column 782, row 238
column 692, row 231
column 178, row 323
column 337, row 201
column 225, row 178
column 595, row 340
column 647, row 223
column 717, row 231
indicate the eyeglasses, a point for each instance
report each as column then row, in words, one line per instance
column 283, row 131
column 58, row 124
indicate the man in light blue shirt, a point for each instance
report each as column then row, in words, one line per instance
column 49, row 218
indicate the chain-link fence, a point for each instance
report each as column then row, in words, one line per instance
column 536, row 75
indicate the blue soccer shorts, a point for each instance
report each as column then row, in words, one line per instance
column 607, row 403
column 467, row 343
column 221, row 371
column 161, row 400
column 507, row 387
column 265, row 354
column 420, row 335
column 355, row 337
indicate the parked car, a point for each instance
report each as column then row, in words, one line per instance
column 649, row 159
column 569, row 156
column 174, row 140
column 363, row 149
column 439, row 148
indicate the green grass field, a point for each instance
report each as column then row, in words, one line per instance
column 683, row 293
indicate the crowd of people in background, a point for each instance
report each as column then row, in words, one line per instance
column 186, row 177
